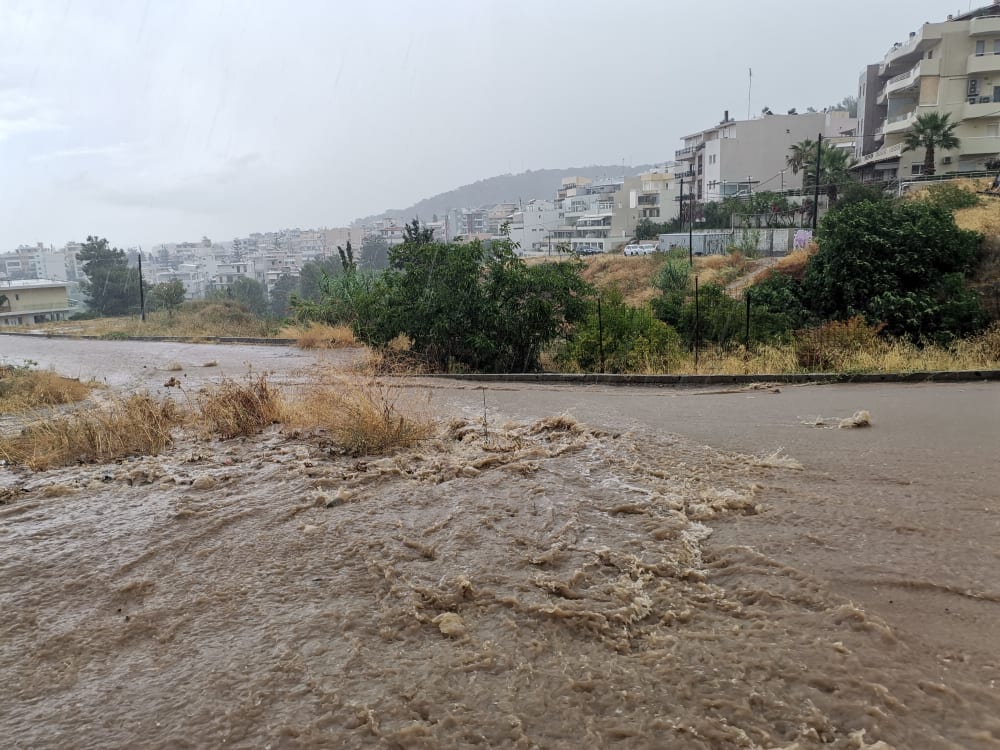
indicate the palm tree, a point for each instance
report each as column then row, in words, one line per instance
column 801, row 154
column 932, row 131
column 835, row 166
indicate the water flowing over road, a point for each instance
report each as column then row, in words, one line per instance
column 590, row 566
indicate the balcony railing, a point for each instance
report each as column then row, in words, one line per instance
column 687, row 151
column 899, row 118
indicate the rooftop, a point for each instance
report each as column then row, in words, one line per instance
column 30, row 283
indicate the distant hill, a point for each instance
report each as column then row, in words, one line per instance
column 540, row 183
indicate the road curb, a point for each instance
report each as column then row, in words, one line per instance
column 594, row 378
column 167, row 339
column 944, row 376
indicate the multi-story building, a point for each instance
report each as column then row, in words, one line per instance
column 952, row 67
column 738, row 156
column 652, row 195
column 33, row 301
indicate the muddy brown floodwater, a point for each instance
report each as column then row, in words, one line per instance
column 543, row 582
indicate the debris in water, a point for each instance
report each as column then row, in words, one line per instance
column 860, row 419
column 204, row 483
column 450, row 624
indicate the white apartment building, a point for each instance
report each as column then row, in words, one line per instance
column 737, row 156
column 532, row 224
column 951, row 66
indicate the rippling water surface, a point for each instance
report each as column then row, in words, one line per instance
column 543, row 585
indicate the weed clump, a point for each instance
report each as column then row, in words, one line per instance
column 22, row 388
column 320, row 336
column 135, row 426
column 361, row 419
column 233, row 409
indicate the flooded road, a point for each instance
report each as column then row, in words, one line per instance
column 650, row 572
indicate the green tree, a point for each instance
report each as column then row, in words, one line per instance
column 248, row 293
column 347, row 258
column 4, row 300
column 674, row 283
column 168, row 296
column 801, row 154
column 374, row 253
column 111, row 287
column 461, row 304
column 311, row 276
column 898, row 263
column 834, row 165
column 281, row 295
column 930, row 132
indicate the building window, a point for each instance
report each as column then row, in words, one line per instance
column 996, row 46
column 980, row 47
column 917, row 169
column 930, row 54
column 996, row 93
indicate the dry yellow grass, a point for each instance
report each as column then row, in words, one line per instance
column 233, row 408
column 976, row 353
column 22, row 389
column 794, row 264
column 360, row 417
column 632, row 276
column 193, row 320
column 320, row 336
column 135, row 426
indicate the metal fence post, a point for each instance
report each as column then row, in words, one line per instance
column 600, row 332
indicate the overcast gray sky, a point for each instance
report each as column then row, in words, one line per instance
column 148, row 121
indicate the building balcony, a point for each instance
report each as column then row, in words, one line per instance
column 881, row 96
column 983, row 64
column 688, row 152
column 883, row 154
column 900, row 123
column 985, row 26
column 988, row 145
column 909, row 78
column 901, row 57
column 983, row 108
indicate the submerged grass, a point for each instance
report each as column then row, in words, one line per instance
column 360, row 417
column 233, row 409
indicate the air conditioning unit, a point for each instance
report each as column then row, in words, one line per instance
column 946, row 160
column 984, row 100
column 973, row 100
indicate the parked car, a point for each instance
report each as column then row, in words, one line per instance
column 641, row 248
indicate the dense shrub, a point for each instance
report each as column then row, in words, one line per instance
column 459, row 304
column 898, row 263
column 633, row 339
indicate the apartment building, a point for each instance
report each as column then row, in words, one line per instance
column 652, row 195
column 737, row 156
column 33, row 301
column 950, row 66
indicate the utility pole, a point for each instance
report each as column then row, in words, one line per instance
column 142, row 292
column 691, row 233
column 819, row 154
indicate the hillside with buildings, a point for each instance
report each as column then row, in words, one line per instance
column 506, row 188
